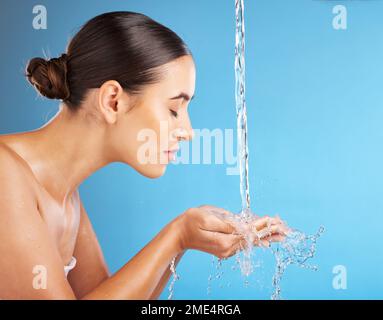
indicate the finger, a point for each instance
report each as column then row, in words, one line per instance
column 283, row 223
column 213, row 223
column 219, row 225
column 271, row 230
column 239, row 246
column 222, row 245
column 265, row 243
column 217, row 210
column 257, row 242
column 281, row 229
column 261, row 242
column 275, row 238
column 261, row 223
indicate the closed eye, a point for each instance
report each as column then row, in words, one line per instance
column 174, row 113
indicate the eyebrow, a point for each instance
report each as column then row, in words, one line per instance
column 183, row 95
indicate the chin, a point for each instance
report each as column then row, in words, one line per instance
column 148, row 170
column 152, row 171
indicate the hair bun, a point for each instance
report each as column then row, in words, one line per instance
column 49, row 77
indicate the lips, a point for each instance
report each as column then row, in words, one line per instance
column 171, row 154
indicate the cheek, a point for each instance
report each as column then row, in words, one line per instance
column 157, row 120
column 125, row 141
column 143, row 130
column 150, row 114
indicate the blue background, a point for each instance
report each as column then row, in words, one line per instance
column 314, row 99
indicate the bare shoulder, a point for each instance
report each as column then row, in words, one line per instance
column 25, row 239
column 11, row 162
column 8, row 156
column 15, row 177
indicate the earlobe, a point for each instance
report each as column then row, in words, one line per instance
column 108, row 98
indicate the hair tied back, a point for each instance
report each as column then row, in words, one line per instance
column 49, row 77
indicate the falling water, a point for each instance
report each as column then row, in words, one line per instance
column 240, row 103
column 245, row 216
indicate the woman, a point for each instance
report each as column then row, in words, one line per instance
column 122, row 74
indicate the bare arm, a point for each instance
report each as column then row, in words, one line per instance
column 139, row 278
column 91, row 268
column 164, row 280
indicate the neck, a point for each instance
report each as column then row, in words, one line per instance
column 65, row 151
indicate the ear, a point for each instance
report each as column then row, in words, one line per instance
column 110, row 100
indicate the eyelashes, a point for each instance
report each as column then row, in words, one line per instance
column 174, row 113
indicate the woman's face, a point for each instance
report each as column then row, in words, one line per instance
column 158, row 120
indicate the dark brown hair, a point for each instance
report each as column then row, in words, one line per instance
column 123, row 46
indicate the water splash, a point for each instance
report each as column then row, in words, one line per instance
column 295, row 250
column 210, row 278
column 243, row 223
column 217, row 275
column 174, row 278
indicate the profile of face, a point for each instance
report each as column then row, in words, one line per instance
column 143, row 128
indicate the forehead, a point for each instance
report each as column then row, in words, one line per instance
column 177, row 76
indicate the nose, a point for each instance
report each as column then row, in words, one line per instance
column 185, row 132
